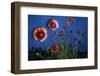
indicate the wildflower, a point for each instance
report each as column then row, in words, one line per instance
column 70, row 21
column 55, row 49
column 53, row 24
column 61, row 33
column 79, row 42
column 40, row 34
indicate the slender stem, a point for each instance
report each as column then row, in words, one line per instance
column 76, row 49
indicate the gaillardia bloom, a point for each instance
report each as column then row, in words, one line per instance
column 55, row 49
column 53, row 24
column 40, row 34
column 70, row 21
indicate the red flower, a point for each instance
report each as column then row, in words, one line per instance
column 40, row 34
column 70, row 21
column 55, row 49
column 53, row 24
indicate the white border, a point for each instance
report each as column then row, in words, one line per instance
column 25, row 64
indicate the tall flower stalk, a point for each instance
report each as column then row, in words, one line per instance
column 76, row 42
column 83, row 36
column 69, row 32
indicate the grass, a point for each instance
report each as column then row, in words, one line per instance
column 65, row 52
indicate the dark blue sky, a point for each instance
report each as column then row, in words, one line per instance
column 35, row 21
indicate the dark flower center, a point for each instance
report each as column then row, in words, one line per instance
column 70, row 20
column 54, row 48
column 40, row 35
column 52, row 25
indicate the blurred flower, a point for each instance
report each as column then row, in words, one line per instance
column 69, row 33
column 70, row 21
column 40, row 34
column 79, row 42
column 55, row 49
column 61, row 33
column 53, row 24
column 65, row 26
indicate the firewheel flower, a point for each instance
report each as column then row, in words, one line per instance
column 53, row 24
column 40, row 34
column 55, row 49
column 70, row 21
